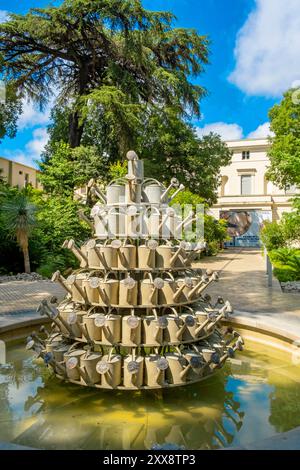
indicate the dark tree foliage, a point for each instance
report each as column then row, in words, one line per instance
column 83, row 45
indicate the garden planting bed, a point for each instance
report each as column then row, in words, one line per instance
column 291, row 287
column 22, row 277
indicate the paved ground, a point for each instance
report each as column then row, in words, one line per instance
column 243, row 281
column 20, row 299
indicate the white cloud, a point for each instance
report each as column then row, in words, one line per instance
column 3, row 16
column 32, row 150
column 262, row 131
column 226, row 131
column 37, row 144
column 32, row 116
column 267, row 49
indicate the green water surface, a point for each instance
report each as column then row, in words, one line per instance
column 255, row 397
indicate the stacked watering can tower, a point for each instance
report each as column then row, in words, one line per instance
column 135, row 315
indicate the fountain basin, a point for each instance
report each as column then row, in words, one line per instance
column 254, row 397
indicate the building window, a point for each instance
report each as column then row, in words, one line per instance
column 246, row 184
column 20, row 172
column 246, row 155
column 26, row 179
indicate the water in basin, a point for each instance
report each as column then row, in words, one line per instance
column 255, row 397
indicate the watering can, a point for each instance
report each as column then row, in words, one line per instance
column 184, row 286
column 110, row 369
column 115, row 192
column 127, row 255
column 94, row 332
column 57, row 277
column 176, row 373
column 167, row 223
column 147, row 255
column 133, row 372
column 104, row 291
column 73, row 367
column 149, row 290
column 153, row 328
column 54, row 314
column 128, row 292
column 152, row 221
column 196, row 365
column 152, row 191
column 210, row 356
column 155, row 368
column 136, row 225
column 74, row 320
column 76, row 283
column 116, row 222
column 54, row 342
column 59, row 352
column 89, row 362
column 99, row 214
column 166, row 258
column 101, row 256
column 167, row 292
column 190, row 320
column 131, row 330
column 176, row 326
column 204, row 320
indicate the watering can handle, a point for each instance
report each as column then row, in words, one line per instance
column 168, row 274
column 117, row 181
column 151, row 180
column 180, row 331
column 73, row 346
column 108, row 274
column 170, row 308
column 149, row 275
column 110, row 352
column 185, row 371
column 187, row 307
column 90, row 310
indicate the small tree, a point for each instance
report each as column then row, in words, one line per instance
column 285, row 149
column 19, row 218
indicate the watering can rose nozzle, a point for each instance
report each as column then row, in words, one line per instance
column 57, row 277
column 131, row 155
column 173, row 184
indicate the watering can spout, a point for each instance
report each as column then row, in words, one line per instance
column 181, row 188
column 70, row 245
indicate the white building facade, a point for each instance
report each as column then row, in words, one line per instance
column 245, row 197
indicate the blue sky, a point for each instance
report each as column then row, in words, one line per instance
column 254, row 58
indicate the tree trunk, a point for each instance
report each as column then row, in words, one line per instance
column 26, row 260
column 75, row 130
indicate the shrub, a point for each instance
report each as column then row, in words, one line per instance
column 52, row 262
column 286, row 262
column 272, row 236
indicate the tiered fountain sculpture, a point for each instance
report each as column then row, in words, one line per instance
column 135, row 315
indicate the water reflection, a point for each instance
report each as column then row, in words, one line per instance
column 39, row 411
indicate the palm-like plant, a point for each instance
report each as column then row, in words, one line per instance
column 19, row 218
